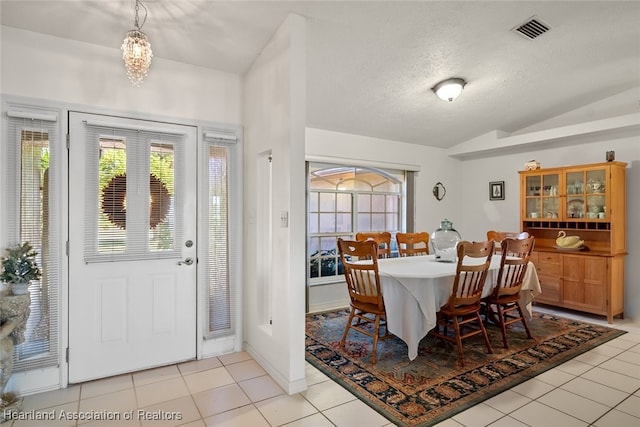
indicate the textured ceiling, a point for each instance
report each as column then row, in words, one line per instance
column 370, row 65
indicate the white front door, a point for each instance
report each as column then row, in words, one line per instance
column 132, row 245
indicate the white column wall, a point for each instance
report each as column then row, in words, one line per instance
column 274, row 117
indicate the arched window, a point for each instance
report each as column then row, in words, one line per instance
column 345, row 200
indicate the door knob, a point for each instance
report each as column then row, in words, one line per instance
column 187, row 261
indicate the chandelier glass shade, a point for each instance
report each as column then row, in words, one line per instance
column 136, row 51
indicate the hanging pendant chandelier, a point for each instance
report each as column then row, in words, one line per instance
column 136, row 50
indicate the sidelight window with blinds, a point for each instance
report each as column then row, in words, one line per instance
column 32, row 169
column 223, row 239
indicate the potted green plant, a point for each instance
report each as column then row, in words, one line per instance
column 19, row 268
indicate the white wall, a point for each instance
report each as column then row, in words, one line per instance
column 274, row 117
column 616, row 105
column 55, row 69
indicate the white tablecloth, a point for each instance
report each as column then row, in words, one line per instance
column 415, row 288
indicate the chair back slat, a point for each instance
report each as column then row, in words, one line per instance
column 411, row 244
column 382, row 239
column 360, row 261
column 470, row 275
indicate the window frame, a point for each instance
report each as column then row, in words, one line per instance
column 46, row 305
column 394, row 176
column 227, row 334
column 137, row 146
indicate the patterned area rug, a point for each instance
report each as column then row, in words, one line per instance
column 430, row 389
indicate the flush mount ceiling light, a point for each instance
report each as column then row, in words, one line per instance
column 136, row 50
column 449, row 89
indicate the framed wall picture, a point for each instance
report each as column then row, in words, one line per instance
column 496, row 190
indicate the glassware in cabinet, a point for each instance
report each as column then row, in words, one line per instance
column 534, row 184
column 575, row 183
column 596, row 181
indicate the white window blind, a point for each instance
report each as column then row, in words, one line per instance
column 222, row 230
column 133, row 188
column 220, row 136
column 32, row 165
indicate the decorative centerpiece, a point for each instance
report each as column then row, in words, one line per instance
column 568, row 242
column 532, row 165
column 445, row 241
column 19, row 268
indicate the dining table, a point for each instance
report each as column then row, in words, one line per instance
column 414, row 288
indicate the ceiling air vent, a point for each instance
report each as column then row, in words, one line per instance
column 533, row 28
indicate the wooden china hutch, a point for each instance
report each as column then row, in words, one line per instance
column 588, row 201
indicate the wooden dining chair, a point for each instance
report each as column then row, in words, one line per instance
column 503, row 306
column 365, row 294
column 382, row 238
column 462, row 309
column 410, row 244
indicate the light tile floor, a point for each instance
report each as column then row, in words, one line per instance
column 599, row 388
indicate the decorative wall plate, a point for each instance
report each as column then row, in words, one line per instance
column 575, row 207
column 439, row 191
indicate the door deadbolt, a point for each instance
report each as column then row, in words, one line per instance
column 188, row 243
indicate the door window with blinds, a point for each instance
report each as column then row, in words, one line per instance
column 131, row 194
column 221, row 153
column 32, row 165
